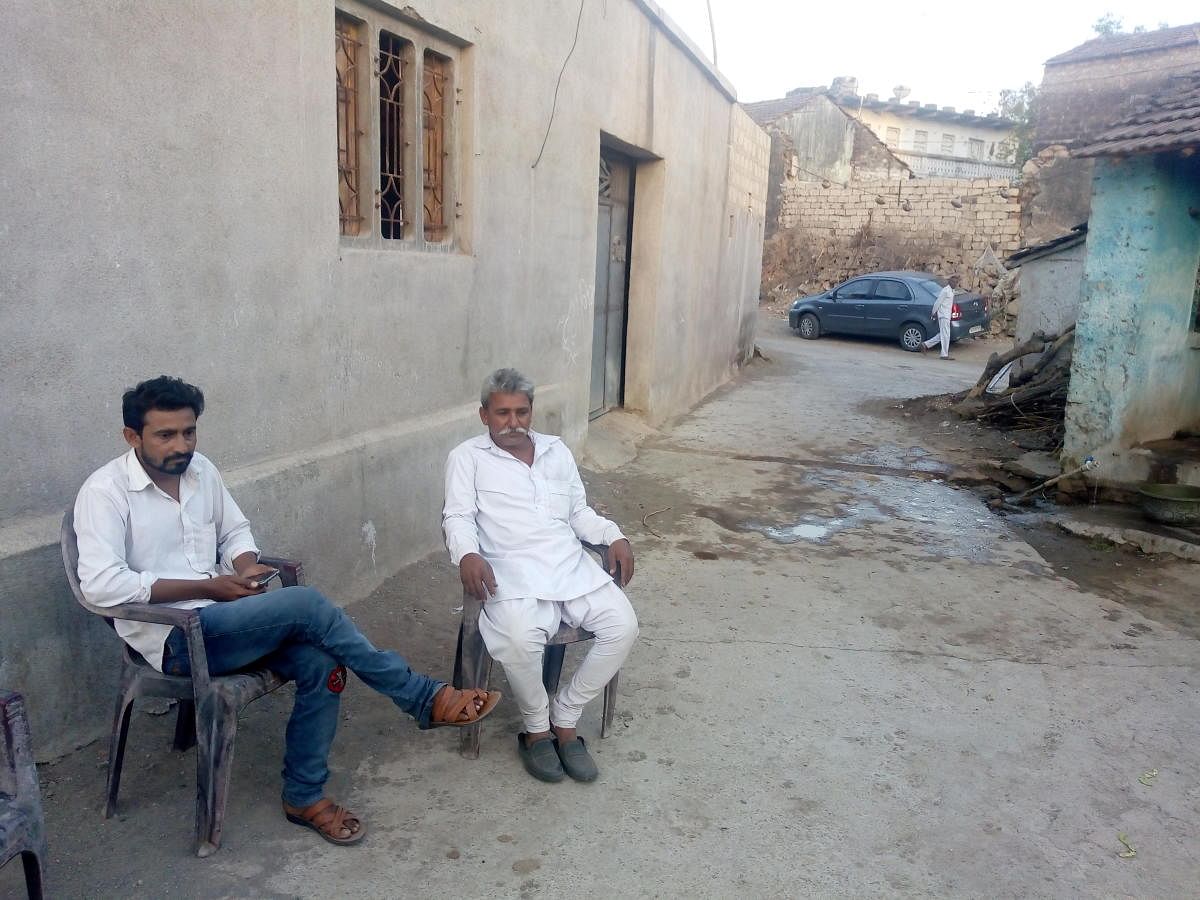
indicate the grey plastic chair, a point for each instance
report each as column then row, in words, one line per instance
column 208, row 705
column 22, row 825
column 473, row 663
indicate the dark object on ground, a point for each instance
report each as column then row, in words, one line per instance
column 22, row 825
column 208, row 705
column 894, row 305
column 473, row 664
column 1034, row 402
column 1171, row 504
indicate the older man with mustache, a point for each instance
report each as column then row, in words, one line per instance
column 514, row 516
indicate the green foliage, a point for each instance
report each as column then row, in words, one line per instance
column 1020, row 105
column 1107, row 25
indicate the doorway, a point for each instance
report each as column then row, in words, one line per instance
column 612, row 283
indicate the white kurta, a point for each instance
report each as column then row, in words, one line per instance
column 527, row 522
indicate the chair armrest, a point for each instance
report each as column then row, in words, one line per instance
column 15, row 724
column 186, row 620
column 156, row 613
column 601, row 550
column 291, row 571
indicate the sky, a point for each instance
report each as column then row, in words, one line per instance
column 950, row 53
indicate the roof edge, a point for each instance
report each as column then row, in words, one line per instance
column 676, row 35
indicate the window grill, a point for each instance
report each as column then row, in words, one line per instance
column 393, row 66
column 436, row 76
column 346, row 54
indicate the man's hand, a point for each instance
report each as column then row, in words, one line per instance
column 253, row 570
column 232, row 587
column 477, row 577
column 620, row 559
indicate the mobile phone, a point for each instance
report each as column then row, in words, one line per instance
column 264, row 578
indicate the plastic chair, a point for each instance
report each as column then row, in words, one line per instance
column 208, row 705
column 22, row 826
column 473, row 663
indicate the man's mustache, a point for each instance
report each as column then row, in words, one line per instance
column 505, row 431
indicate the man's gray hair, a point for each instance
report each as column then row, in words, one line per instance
column 505, row 381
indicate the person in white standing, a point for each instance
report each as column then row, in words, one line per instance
column 943, row 309
column 514, row 516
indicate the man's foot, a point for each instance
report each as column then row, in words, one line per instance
column 575, row 759
column 334, row 823
column 947, row 357
column 924, row 349
column 540, row 757
column 458, row 708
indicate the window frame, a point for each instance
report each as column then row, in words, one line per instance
column 882, row 281
column 417, row 41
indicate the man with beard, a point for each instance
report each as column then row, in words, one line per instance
column 157, row 525
column 514, row 516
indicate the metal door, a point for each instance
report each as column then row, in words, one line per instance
column 612, row 267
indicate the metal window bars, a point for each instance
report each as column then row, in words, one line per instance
column 346, row 55
column 394, row 53
column 434, row 84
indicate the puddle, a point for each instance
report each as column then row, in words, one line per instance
column 816, row 528
column 917, row 459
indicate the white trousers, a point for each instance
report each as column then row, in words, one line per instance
column 943, row 335
column 515, row 632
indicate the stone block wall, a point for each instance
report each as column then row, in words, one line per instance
column 963, row 215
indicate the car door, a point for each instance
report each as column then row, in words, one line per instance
column 847, row 306
column 889, row 307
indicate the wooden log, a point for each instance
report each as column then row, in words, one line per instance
column 1036, row 344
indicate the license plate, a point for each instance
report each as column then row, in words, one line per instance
column 975, row 329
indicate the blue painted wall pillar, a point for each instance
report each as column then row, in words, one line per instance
column 1135, row 374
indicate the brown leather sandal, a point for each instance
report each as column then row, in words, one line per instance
column 328, row 820
column 456, row 708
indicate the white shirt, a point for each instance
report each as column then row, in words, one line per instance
column 526, row 521
column 132, row 533
column 943, row 306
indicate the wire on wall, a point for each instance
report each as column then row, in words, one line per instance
column 558, row 84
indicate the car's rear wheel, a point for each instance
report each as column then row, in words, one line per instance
column 912, row 336
column 808, row 327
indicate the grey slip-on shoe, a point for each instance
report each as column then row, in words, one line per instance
column 540, row 759
column 576, row 761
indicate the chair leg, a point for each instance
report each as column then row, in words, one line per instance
column 456, row 679
column 474, row 670
column 216, row 728
column 185, row 726
column 116, row 745
column 610, row 706
column 552, row 665
column 33, row 874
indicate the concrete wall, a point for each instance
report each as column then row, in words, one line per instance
column 176, row 211
column 1051, row 288
column 1135, row 374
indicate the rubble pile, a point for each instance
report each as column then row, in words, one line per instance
column 1032, row 402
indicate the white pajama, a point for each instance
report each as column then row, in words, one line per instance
column 515, row 632
column 943, row 335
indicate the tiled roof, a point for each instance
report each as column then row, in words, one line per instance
column 1124, row 44
column 1168, row 121
column 764, row 112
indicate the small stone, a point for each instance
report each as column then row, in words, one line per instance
column 504, row 838
column 453, row 853
column 525, row 866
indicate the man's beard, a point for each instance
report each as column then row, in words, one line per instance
column 171, row 465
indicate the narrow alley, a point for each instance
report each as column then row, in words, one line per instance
column 852, row 680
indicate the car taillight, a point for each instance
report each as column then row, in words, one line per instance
column 955, row 312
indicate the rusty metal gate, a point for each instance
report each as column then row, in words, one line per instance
column 612, row 270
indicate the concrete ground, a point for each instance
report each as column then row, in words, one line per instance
column 852, row 680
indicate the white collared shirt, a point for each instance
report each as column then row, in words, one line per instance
column 132, row 533
column 526, row 521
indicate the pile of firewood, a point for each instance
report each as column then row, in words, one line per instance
column 1035, row 399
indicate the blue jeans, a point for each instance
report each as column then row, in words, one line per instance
column 296, row 632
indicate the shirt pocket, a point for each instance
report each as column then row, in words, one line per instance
column 558, row 498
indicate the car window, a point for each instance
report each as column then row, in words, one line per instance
column 856, row 290
column 933, row 285
column 892, row 290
